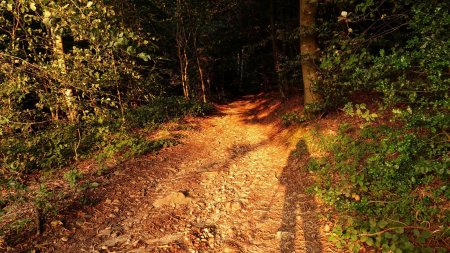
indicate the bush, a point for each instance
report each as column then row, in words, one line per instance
column 388, row 184
column 387, row 179
column 164, row 109
column 292, row 118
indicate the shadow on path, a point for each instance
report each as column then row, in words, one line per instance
column 298, row 205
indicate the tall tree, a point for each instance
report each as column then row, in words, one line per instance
column 309, row 49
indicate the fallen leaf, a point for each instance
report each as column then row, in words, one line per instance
column 56, row 223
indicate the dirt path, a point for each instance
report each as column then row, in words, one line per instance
column 232, row 186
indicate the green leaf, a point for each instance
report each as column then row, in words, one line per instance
column 369, row 241
column 426, row 234
column 33, row 6
column 357, row 247
column 372, row 223
column 89, row 4
column 144, row 56
column 364, row 238
column 400, row 230
column 382, row 224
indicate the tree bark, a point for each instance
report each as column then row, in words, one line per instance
column 309, row 49
column 182, row 57
column 67, row 94
column 186, row 74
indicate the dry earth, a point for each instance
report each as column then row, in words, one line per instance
column 233, row 185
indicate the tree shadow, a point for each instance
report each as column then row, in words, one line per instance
column 298, row 205
column 235, row 152
column 266, row 105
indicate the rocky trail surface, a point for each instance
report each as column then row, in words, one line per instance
column 233, row 185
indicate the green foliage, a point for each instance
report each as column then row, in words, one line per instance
column 59, row 145
column 407, row 63
column 123, row 146
column 67, row 60
column 389, row 177
column 164, row 109
column 72, row 176
column 18, row 225
column 385, row 182
column 314, row 108
column 46, row 149
column 292, row 118
column 44, row 200
column 68, row 72
column 361, row 111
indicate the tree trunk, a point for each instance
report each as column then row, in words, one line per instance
column 202, row 80
column 182, row 55
column 186, row 74
column 309, row 49
column 276, row 60
column 200, row 72
column 67, row 94
column 183, row 67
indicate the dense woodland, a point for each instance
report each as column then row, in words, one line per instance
column 79, row 77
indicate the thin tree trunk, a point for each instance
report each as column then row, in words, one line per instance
column 182, row 71
column 67, row 94
column 200, row 72
column 182, row 55
column 185, row 73
column 180, row 61
column 309, row 49
column 275, row 53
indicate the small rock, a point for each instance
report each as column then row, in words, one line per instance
column 236, row 206
column 227, row 250
column 105, row 232
column 118, row 240
column 118, row 173
column 173, row 199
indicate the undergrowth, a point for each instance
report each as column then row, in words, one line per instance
column 387, row 182
column 386, row 172
column 28, row 150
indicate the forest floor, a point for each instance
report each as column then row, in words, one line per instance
column 234, row 184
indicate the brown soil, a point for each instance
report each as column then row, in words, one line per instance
column 233, row 185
